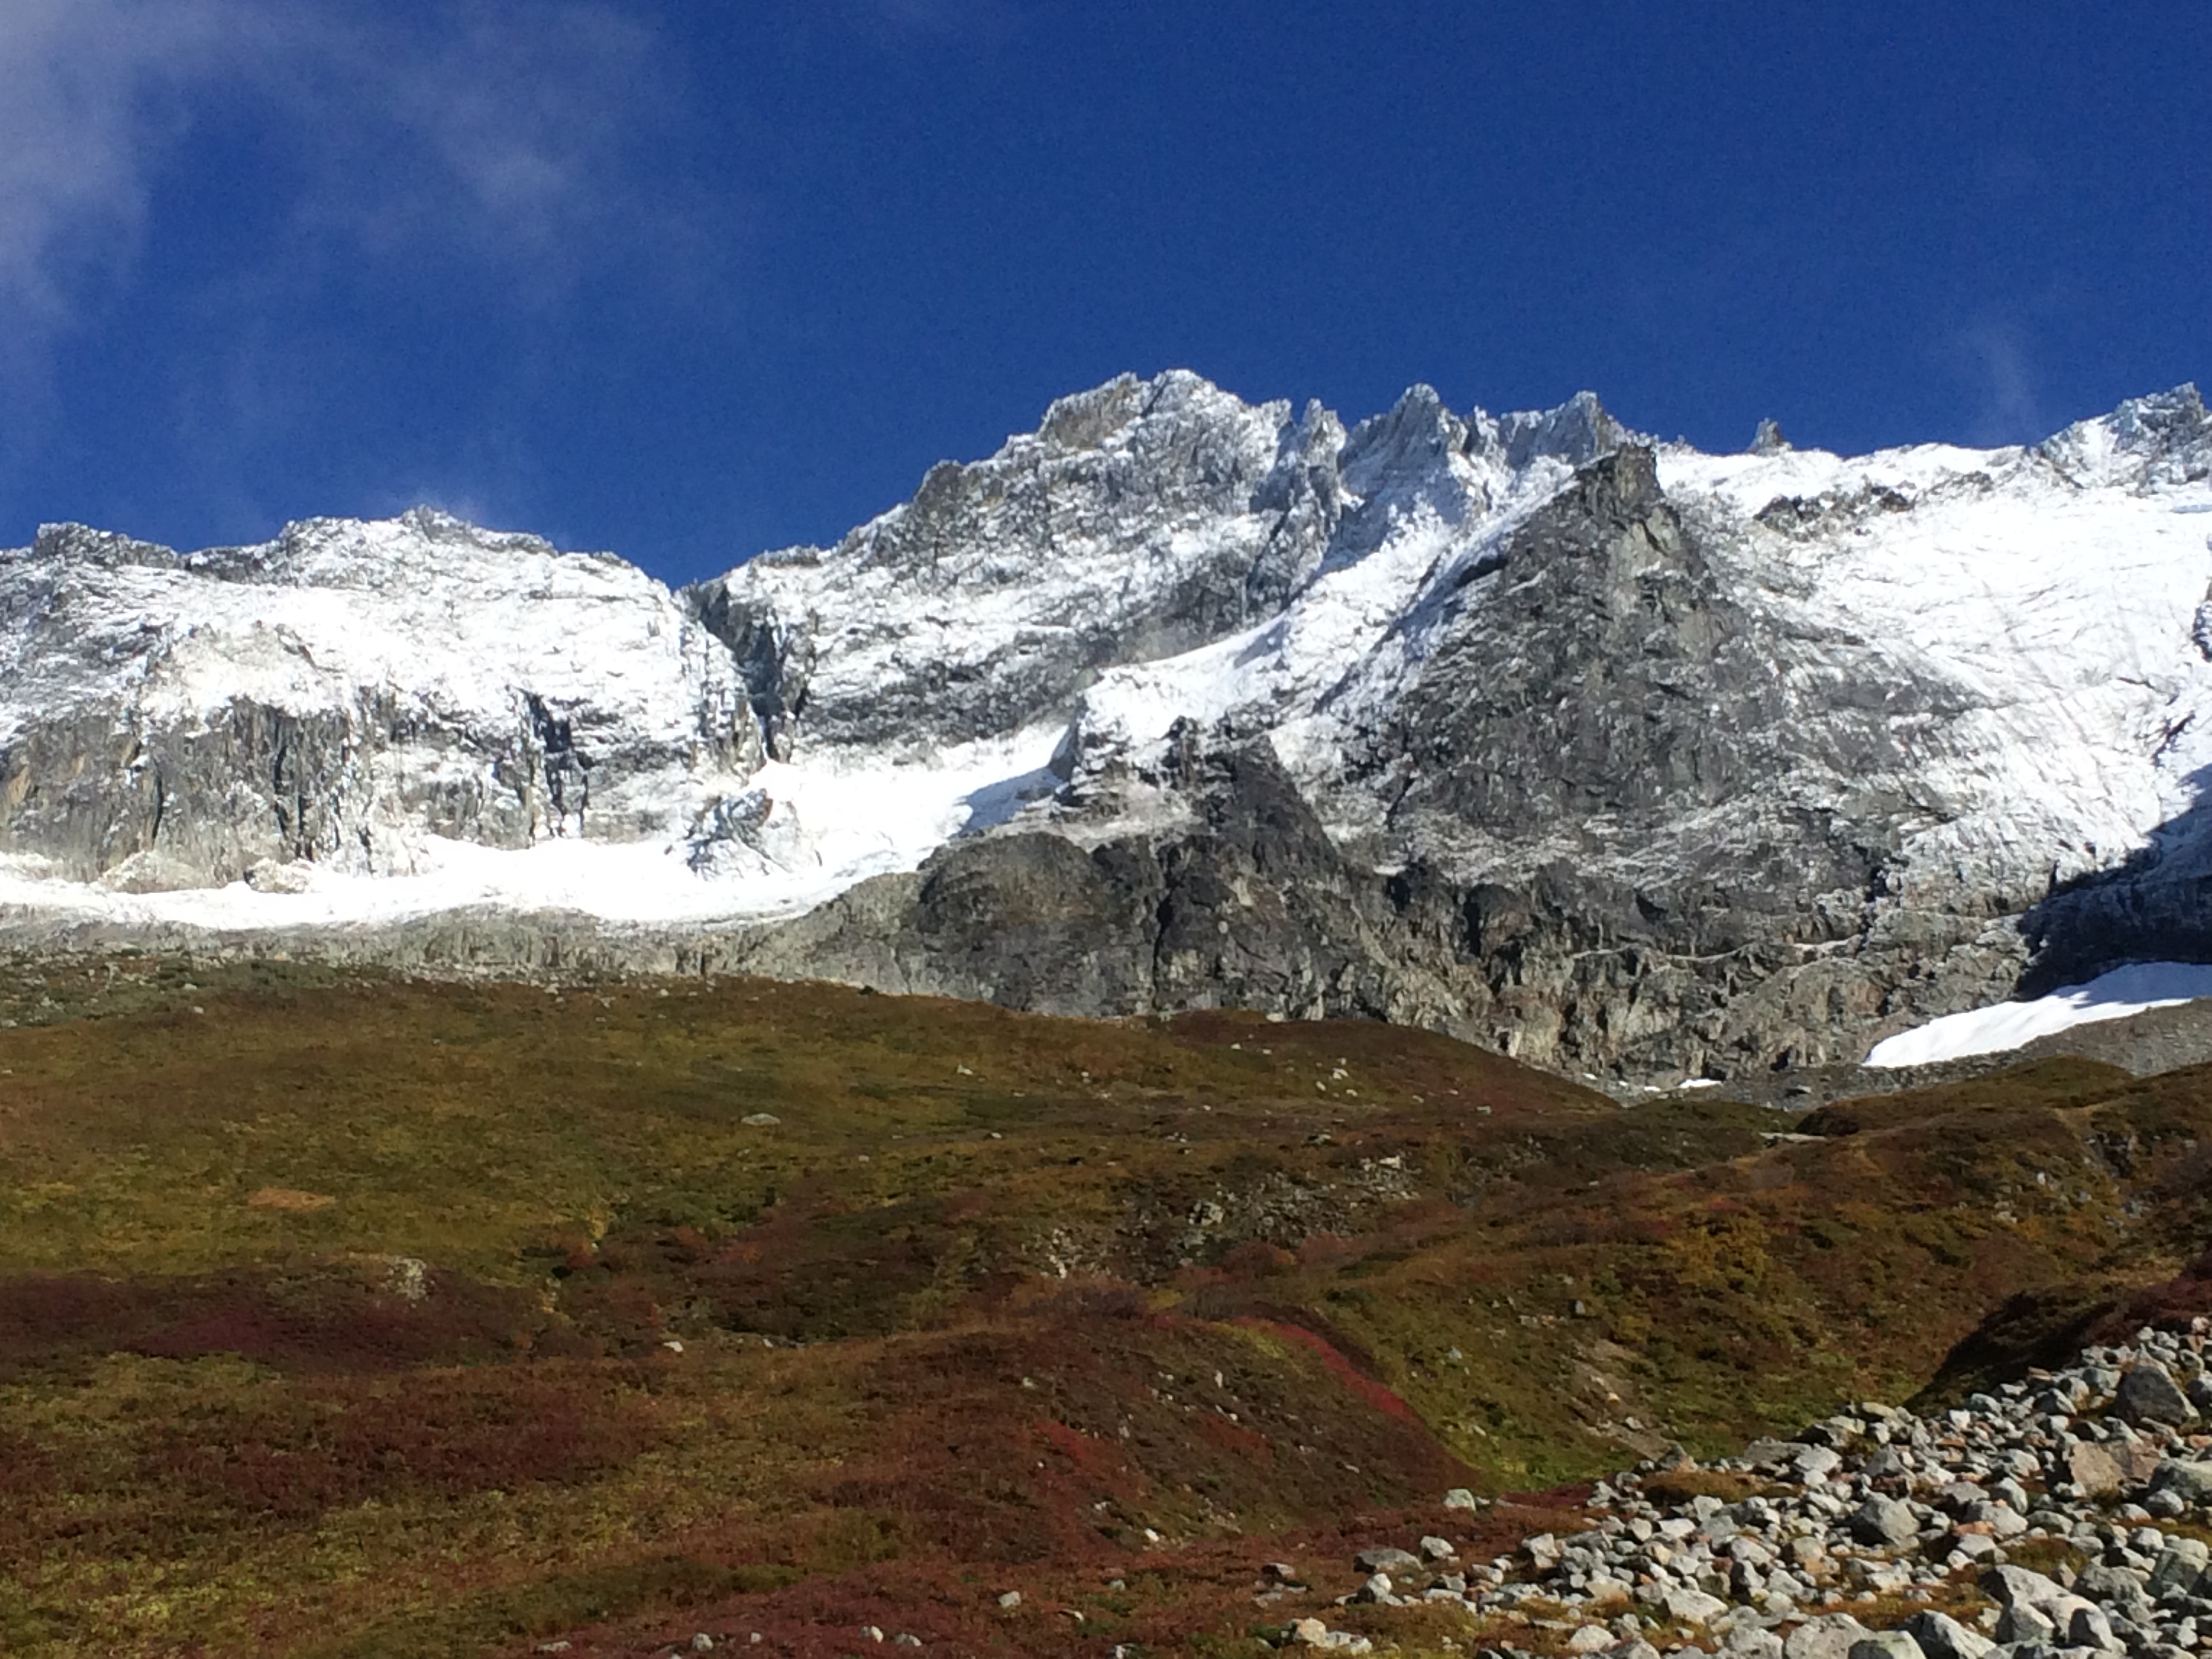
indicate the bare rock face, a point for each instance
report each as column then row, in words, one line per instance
column 1140, row 519
column 1627, row 782
column 180, row 720
column 1251, row 906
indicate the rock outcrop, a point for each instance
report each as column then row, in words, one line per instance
column 338, row 695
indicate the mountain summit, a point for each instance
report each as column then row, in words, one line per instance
column 1613, row 755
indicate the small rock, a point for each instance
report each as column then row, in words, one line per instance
column 1694, row 1607
column 1386, row 1559
column 1942, row 1636
column 1438, row 1549
column 1378, row 1590
column 1771, row 1455
column 2091, row 1628
column 1748, row 1640
column 1886, row 1644
column 2179, row 1566
column 1459, row 1497
column 2191, row 1482
column 1883, row 1521
column 1590, row 1638
column 702, row 1643
column 1011, row 1600
column 2115, row 1588
column 1829, row 1637
column 2010, row 1587
column 2093, row 1469
column 2022, row 1622
column 759, row 1119
column 1815, row 1462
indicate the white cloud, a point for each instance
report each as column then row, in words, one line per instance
column 92, row 88
column 508, row 133
column 2008, row 409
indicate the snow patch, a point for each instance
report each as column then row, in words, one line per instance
column 826, row 826
column 2131, row 990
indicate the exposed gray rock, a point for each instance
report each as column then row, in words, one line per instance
column 2149, row 1393
column 2017, row 1587
column 1882, row 1521
column 2023, row 1621
column 1832, row 1635
column 1519, row 728
column 1142, row 519
column 333, row 698
column 1942, row 1636
column 2189, row 1480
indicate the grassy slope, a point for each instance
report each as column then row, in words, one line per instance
column 336, row 1312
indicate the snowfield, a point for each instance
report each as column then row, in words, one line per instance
column 2135, row 989
column 828, row 825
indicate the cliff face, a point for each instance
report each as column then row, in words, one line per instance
column 337, row 696
column 1675, row 768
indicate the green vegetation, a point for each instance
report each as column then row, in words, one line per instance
column 344, row 1315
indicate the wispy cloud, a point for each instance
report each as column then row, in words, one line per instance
column 93, row 87
column 509, row 132
column 1994, row 357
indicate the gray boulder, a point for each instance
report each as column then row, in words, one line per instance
column 2115, row 1588
column 1694, row 1607
column 1883, row 1522
column 2022, row 1622
column 2190, row 1481
column 1942, row 1636
column 2178, row 1567
column 1832, row 1635
column 2013, row 1587
column 1886, row 1644
column 2091, row 1628
column 2149, row 1393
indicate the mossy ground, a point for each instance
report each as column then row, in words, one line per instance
column 344, row 1315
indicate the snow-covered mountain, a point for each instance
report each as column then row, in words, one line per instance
column 1616, row 754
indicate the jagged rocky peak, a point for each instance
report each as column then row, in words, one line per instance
column 2155, row 441
column 1144, row 518
column 335, row 693
column 1577, row 432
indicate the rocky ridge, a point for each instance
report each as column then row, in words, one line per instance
column 2102, row 1463
column 339, row 699
column 1628, row 760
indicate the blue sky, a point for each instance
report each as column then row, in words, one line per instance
column 690, row 280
